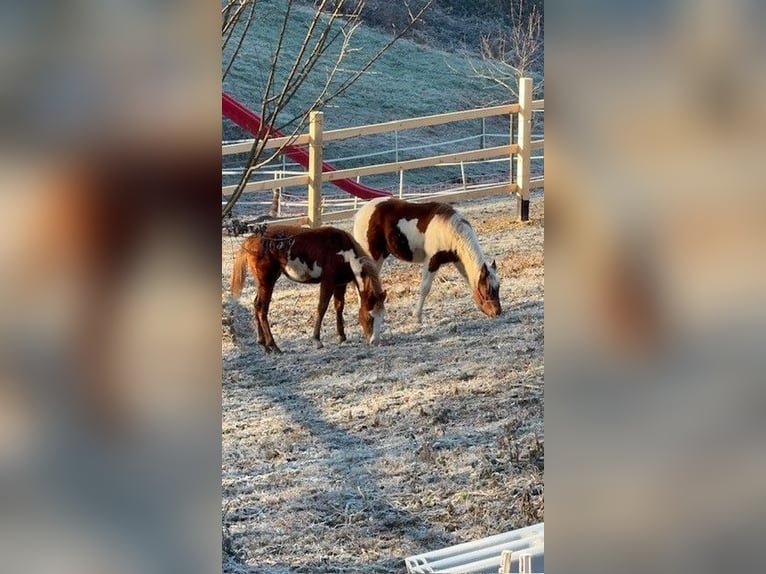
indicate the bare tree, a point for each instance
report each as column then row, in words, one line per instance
column 515, row 51
column 321, row 57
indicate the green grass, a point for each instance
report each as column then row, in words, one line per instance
column 409, row 80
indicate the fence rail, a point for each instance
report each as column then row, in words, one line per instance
column 518, row 152
column 523, row 548
column 383, row 127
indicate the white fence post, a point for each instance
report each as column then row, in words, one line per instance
column 315, row 169
column 276, row 197
column 525, row 563
column 505, row 562
column 524, row 141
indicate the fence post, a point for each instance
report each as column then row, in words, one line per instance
column 505, row 562
column 276, row 197
column 315, row 169
column 525, row 563
column 524, row 141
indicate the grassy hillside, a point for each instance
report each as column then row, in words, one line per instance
column 410, row 80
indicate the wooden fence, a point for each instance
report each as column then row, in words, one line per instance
column 519, row 152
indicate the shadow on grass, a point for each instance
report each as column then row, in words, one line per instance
column 351, row 501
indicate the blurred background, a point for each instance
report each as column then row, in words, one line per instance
column 109, row 313
column 655, row 325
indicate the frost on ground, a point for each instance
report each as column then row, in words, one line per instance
column 350, row 458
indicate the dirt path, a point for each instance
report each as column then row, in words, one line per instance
column 349, row 458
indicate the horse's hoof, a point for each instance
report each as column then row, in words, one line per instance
column 342, row 339
column 318, row 344
column 276, row 349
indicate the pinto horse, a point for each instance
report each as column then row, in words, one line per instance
column 432, row 234
column 327, row 256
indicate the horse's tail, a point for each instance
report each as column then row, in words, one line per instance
column 239, row 272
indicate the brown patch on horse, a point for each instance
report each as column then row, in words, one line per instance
column 376, row 233
column 440, row 258
column 431, row 210
column 398, row 244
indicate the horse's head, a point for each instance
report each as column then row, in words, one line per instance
column 486, row 294
column 372, row 306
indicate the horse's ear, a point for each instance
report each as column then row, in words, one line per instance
column 494, row 265
column 484, row 271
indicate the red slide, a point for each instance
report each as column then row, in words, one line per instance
column 250, row 121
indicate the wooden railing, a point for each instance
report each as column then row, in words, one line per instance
column 519, row 151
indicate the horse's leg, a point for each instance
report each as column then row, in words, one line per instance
column 263, row 301
column 259, row 330
column 325, row 293
column 340, row 301
column 260, row 337
column 426, row 280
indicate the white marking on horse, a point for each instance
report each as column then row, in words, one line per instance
column 297, row 270
column 353, row 262
column 377, row 326
column 416, row 239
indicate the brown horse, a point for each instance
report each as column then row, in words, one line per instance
column 432, row 234
column 327, row 256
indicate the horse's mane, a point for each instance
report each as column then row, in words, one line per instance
column 468, row 246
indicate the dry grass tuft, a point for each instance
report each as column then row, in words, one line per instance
column 519, row 262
